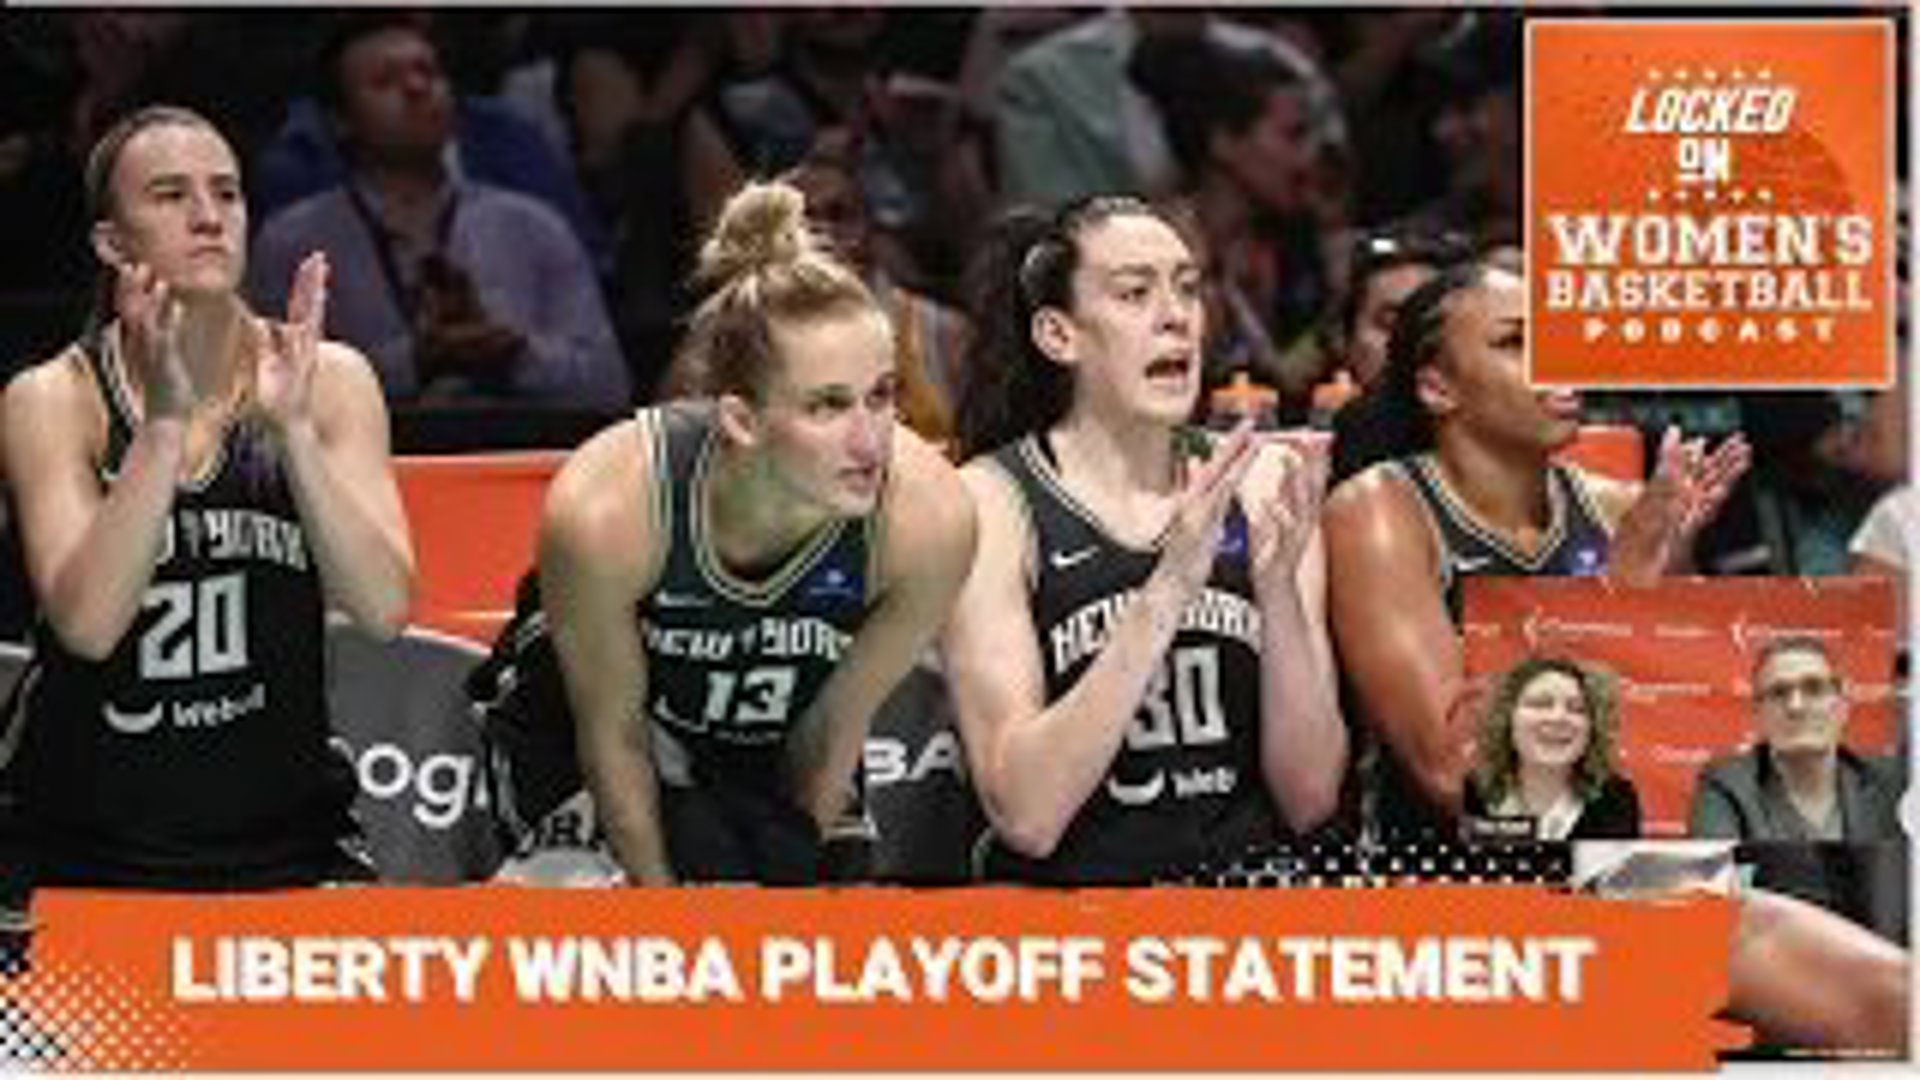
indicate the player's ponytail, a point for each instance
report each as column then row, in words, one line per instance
column 763, row 265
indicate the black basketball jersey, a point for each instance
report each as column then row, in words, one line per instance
column 1186, row 786
column 732, row 664
column 1576, row 545
column 197, row 754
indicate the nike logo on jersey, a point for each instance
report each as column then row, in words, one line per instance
column 1139, row 794
column 664, row 713
column 1470, row 564
column 678, row 600
column 131, row 723
column 1067, row 560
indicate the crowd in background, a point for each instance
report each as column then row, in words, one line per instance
column 510, row 198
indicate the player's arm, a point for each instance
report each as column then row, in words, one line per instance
column 1807, row 977
column 340, row 468
column 1391, row 630
column 90, row 554
column 1303, row 742
column 599, row 554
column 927, row 538
column 1035, row 764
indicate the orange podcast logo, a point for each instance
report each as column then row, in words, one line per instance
column 1708, row 203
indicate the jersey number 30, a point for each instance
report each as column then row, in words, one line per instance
column 1190, row 714
column 202, row 628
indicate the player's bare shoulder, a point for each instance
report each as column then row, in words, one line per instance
column 600, row 504
column 56, row 395
column 344, row 382
column 928, row 513
column 1376, row 514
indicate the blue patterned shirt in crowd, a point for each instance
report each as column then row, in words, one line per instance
column 529, row 270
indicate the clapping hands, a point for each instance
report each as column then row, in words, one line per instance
column 150, row 341
column 289, row 351
column 1688, row 487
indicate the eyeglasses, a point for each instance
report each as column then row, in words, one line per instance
column 1815, row 688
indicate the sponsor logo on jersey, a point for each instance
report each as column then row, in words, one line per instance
column 202, row 714
column 1067, row 560
column 130, row 722
column 833, row 583
column 1471, row 564
column 1136, row 794
column 1196, row 783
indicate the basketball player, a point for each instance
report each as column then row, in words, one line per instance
column 1138, row 659
column 1474, row 492
column 194, row 485
column 789, row 549
column 1471, row 489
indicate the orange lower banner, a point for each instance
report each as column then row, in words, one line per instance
column 501, row 978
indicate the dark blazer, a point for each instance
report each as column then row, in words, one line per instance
column 1612, row 814
column 1732, row 800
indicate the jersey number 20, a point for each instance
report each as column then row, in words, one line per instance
column 202, row 628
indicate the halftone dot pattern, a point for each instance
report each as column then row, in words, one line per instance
column 1340, row 864
column 82, row 1018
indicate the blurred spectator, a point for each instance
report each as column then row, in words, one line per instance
column 237, row 68
column 1384, row 268
column 1069, row 122
column 922, row 173
column 996, row 35
column 45, row 266
column 1885, row 540
column 822, row 78
column 929, row 337
column 453, row 288
column 1475, row 71
column 1236, row 121
column 637, row 90
column 1390, row 105
column 489, row 142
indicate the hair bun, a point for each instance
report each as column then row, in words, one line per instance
column 762, row 226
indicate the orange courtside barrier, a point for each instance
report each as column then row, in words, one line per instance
column 728, row 979
column 475, row 519
column 1613, row 450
